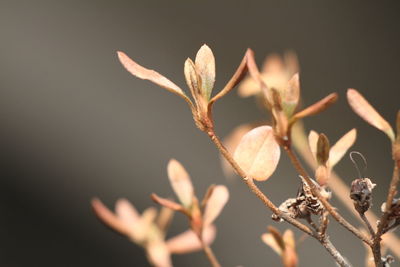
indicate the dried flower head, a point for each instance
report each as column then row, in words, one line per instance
column 361, row 194
column 305, row 204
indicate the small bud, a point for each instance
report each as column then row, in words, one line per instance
column 322, row 149
column 361, row 193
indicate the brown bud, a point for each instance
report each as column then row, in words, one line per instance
column 361, row 193
column 322, row 149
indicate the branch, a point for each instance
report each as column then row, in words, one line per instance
column 297, row 165
column 253, row 187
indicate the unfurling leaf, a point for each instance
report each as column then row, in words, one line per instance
column 180, row 182
column 151, row 75
column 364, row 109
column 205, row 65
column 215, row 204
column 341, row 146
column 188, row 241
column 323, row 149
column 317, row 107
column 258, row 153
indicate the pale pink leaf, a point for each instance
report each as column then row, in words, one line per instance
column 270, row 240
column 231, row 142
column 292, row 94
column 364, row 109
column 166, row 203
column 288, row 238
column 341, row 146
column 144, row 225
column 109, row 218
column 205, row 65
column 126, row 212
column 151, row 75
column 248, row 87
column 273, row 63
column 313, row 141
column 317, row 107
column 258, row 153
column 158, row 253
column 215, row 204
column 188, row 241
column 236, row 78
column 180, row 182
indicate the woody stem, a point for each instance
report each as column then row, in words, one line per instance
column 255, row 190
column 300, row 169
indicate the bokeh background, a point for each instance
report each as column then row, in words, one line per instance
column 75, row 124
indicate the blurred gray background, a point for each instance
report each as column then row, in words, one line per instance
column 75, row 124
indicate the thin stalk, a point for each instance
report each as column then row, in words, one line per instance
column 334, row 252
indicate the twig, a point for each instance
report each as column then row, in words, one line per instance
column 253, row 187
column 340, row 188
column 384, row 221
column 299, row 168
column 368, row 224
column 334, row 252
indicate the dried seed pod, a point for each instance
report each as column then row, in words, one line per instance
column 361, row 194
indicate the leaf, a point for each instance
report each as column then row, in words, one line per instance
column 291, row 94
column 188, row 241
column 313, row 141
column 270, row 240
column 317, row 107
column 158, row 253
column 258, row 153
column 180, row 182
column 126, row 212
column 140, row 232
column 236, row 78
column 341, row 146
column 215, row 204
column 166, row 203
column 151, row 75
column 231, row 142
column 205, row 65
column 364, row 109
column 109, row 218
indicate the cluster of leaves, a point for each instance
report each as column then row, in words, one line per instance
column 254, row 153
column 149, row 229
